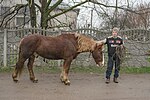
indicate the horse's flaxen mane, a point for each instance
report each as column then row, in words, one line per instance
column 85, row 44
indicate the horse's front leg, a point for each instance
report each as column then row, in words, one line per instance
column 30, row 69
column 65, row 71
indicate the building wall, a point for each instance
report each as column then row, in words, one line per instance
column 68, row 19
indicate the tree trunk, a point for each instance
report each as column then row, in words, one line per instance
column 32, row 13
column 44, row 15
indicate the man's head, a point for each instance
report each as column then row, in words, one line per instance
column 115, row 31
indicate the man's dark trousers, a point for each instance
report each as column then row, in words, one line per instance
column 111, row 61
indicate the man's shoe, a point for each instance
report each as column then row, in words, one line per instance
column 107, row 81
column 115, row 80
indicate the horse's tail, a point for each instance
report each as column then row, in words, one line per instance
column 20, row 64
column 21, row 60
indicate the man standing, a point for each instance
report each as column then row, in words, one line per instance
column 113, row 42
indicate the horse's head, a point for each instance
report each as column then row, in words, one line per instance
column 86, row 44
column 97, row 54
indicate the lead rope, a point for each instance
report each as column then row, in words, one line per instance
column 121, row 52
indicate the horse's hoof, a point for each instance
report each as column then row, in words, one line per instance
column 67, row 83
column 35, row 80
column 15, row 80
column 14, row 77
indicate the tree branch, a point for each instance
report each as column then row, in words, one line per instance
column 48, row 3
column 126, row 9
column 54, row 6
column 38, row 7
column 17, row 8
column 1, row 1
column 71, row 8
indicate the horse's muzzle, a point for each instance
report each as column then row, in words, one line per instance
column 100, row 64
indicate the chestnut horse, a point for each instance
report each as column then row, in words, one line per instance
column 64, row 46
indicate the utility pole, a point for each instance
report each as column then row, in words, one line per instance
column 91, row 17
column 116, row 14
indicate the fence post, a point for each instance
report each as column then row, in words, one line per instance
column 5, row 48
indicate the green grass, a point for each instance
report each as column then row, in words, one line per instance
column 87, row 69
column 99, row 70
column 93, row 69
column 134, row 70
column 6, row 69
column 148, row 59
column 47, row 69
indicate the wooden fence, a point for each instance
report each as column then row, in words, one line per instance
column 137, row 42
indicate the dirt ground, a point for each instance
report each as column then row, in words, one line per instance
column 83, row 87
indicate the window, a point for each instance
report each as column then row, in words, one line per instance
column 22, row 18
column 24, row 11
column 22, row 21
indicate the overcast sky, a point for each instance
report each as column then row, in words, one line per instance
column 85, row 13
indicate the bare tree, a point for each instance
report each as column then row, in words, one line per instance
column 140, row 19
column 44, row 7
column 32, row 12
column 128, row 16
column 9, row 14
column 122, row 16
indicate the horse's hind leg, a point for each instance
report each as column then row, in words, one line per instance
column 18, row 69
column 30, row 69
column 65, row 72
